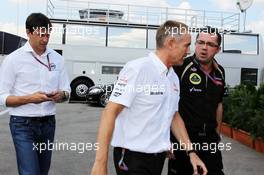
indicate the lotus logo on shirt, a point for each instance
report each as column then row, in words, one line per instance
column 195, row 78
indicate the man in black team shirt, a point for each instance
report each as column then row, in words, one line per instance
column 202, row 88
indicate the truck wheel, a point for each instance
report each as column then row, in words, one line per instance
column 104, row 98
column 80, row 89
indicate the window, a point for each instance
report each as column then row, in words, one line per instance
column 152, row 39
column 58, row 51
column 111, row 69
column 126, row 37
column 10, row 42
column 56, row 34
column 249, row 76
column 193, row 40
column 85, row 35
column 244, row 44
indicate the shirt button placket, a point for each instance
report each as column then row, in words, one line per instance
column 42, row 78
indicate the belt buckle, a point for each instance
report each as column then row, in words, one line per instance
column 203, row 133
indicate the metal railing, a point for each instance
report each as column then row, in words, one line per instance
column 142, row 15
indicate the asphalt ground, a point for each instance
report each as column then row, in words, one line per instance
column 77, row 126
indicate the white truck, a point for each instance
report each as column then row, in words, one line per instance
column 97, row 39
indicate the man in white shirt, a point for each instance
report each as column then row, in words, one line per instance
column 32, row 79
column 142, row 109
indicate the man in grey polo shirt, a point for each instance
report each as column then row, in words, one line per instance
column 142, row 109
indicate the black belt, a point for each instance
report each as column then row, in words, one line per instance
column 164, row 153
column 122, row 165
column 202, row 126
column 41, row 119
column 201, row 130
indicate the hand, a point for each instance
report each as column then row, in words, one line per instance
column 196, row 162
column 99, row 169
column 56, row 96
column 170, row 154
column 39, row 97
column 218, row 130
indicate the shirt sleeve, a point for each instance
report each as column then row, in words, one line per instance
column 124, row 90
column 64, row 83
column 7, row 79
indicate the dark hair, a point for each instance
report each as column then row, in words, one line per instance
column 211, row 30
column 37, row 20
column 169, row 28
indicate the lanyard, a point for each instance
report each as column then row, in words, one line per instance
column 216, row 82
column 47, row 66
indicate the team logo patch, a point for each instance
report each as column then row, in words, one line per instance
column 52, row 66
column 195, row 78
column 193, row 69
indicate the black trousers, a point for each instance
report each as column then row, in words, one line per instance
column 212, row 157
column 139, row 163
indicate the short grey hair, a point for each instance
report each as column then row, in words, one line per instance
column 169, row 28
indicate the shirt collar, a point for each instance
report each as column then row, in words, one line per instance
column 215, row 64
column 28, row 48
column 160, row 65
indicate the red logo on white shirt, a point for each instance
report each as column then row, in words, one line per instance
column 123, row 80
column 174, row 87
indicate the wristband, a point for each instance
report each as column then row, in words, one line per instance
column 190, row 151
column 65, row 95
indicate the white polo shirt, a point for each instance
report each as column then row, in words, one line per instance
column 150, row 93
column 21, row 74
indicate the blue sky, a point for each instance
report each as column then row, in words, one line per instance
column 14, row 12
